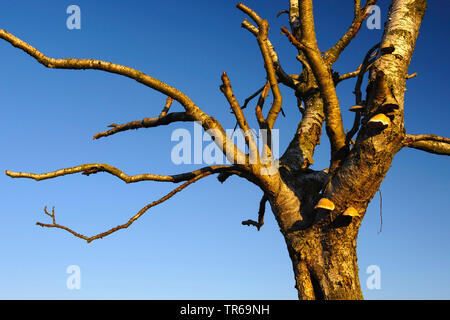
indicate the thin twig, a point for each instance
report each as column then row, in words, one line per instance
column 358, row 95
column 261, row 211
column 252, row 97
column 163, row 119
column 129, row 222
column 412, row 75
column 381, row 212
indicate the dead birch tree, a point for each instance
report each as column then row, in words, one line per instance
column 319, row 212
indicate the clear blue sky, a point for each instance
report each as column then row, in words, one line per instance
column 194, row 245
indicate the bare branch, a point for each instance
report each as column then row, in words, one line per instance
column 360, row 15
column 282, row 12
column 260, row 104
column 381, row 211
column 165, row 119
column 307, row 26
column 354, row 129
column 228, row 92
column 92, row 168
column 252, row 14
column 208, row 123
column 299, row 45
column 364, row 67
column 428, row 142
column 283, row 77
column 367, row 62
column 166, row 108
column 246, row 102
column 357, row 71
column 79, row 64
column 130, row 221
column 349, row 75
column 411, row 75
column 263, row 26
column 334, row 125
column 261, row 211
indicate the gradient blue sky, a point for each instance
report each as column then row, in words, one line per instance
column 184, row 249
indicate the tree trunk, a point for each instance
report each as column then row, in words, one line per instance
column 322, row 243
column 325, row 266
column 323, row 257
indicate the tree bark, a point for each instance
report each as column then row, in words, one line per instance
column 323, row 256
column 322, row 243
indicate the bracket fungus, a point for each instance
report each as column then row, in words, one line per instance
column 379, row 121
column 387, row 48
column 351, row 212
column 326, row 204
column 389, row 105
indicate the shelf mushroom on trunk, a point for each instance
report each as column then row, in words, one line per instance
column 379, row 121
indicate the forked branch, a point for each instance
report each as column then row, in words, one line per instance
column 92, row 168
column 246, row 102
column 146, row 123
column 263, row 30
column 78, row 64
column 192, row 110
column 129, row 222
column 283, row 77
column 164, row 118
column 360, row 14
column 237, row 110
column 334, row 125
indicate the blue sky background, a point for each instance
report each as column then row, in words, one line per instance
column 194, row 245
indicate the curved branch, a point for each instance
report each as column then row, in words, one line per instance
column 334, row 124
column 260, row 104
column 92, row 168
column 234, row 154
column 261, row 211
column 332, row 54
column 268, row 63
column 428, row 142
column 78, row 64
column 130, row 221
column 364, row 67
column 283, row 77
column 358, row 95
column 252, row 97
column 243, row 124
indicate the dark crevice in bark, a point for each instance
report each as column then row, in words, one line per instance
column 318, row 292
